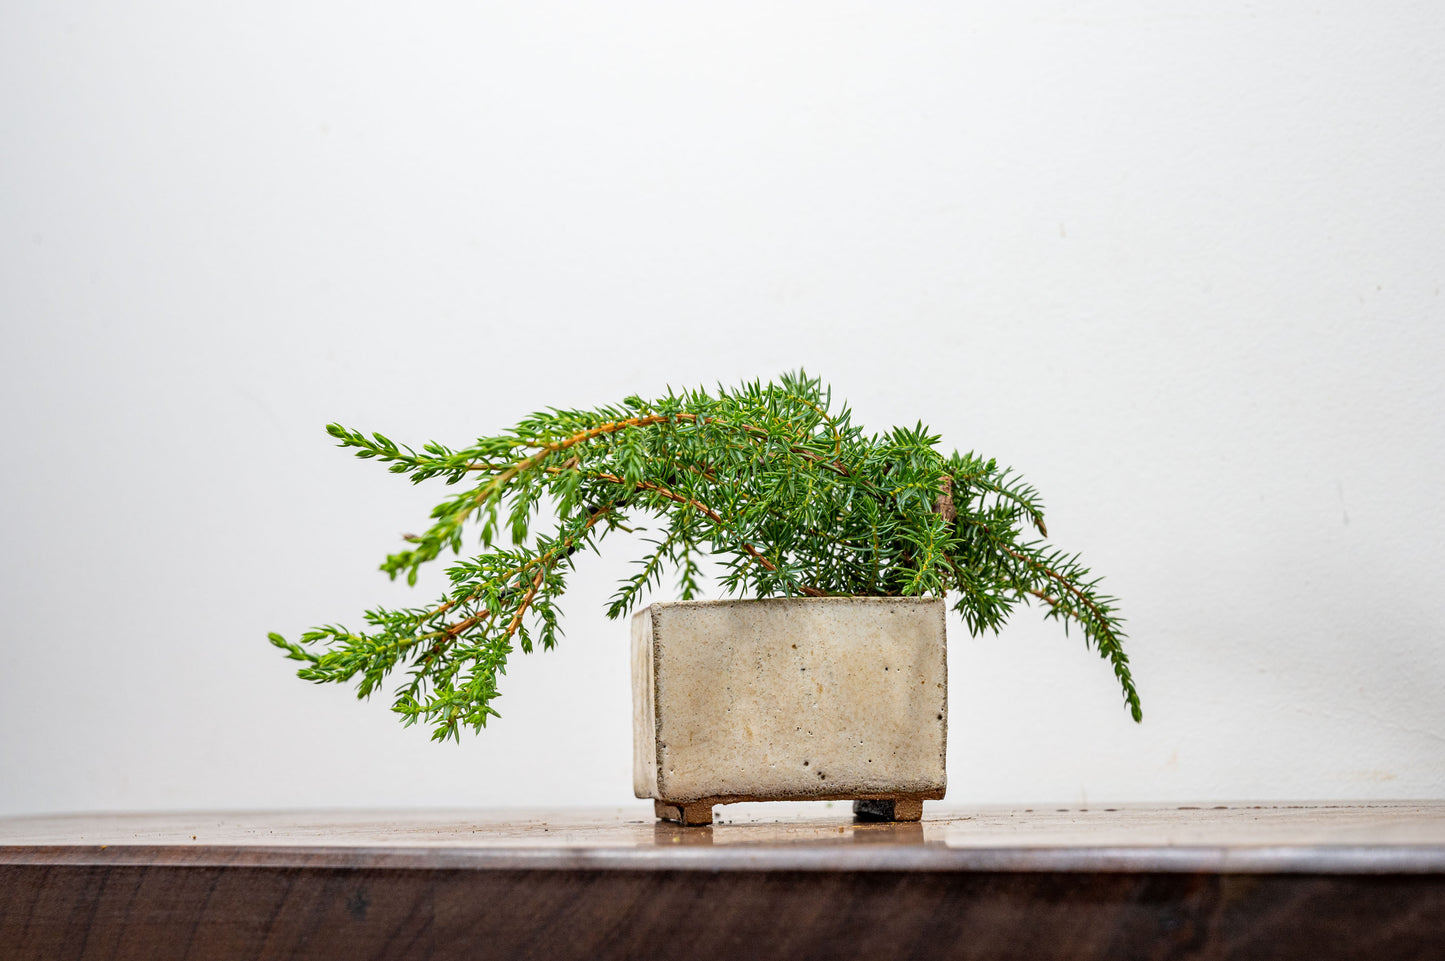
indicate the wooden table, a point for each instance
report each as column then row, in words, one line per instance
column 766, row 881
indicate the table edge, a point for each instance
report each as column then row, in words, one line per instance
column 1183, row 859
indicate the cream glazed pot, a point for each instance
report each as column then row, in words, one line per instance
column 790, row 699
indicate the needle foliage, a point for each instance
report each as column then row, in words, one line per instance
column 785, row 493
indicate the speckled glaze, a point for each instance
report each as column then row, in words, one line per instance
column 789, row 699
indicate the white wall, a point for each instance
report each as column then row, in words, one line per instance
column 1180, row 264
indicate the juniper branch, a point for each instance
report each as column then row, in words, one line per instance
column 792, row 498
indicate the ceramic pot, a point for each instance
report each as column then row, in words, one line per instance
column 836, row 698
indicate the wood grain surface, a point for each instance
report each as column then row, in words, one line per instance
column 1193, row 881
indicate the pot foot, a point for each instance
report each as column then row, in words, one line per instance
column 687, row 814
column 889, row 809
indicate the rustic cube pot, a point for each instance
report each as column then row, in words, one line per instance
column 793, row 699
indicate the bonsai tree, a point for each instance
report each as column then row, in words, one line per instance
column 787, row 494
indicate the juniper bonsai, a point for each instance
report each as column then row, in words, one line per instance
column 788, row 495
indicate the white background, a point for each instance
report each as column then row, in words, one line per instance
column 1180, row 264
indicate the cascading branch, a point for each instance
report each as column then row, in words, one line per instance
column 790, row 496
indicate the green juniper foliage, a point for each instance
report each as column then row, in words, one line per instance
column 790, row 496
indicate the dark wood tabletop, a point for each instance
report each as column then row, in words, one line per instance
column 787, row 881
